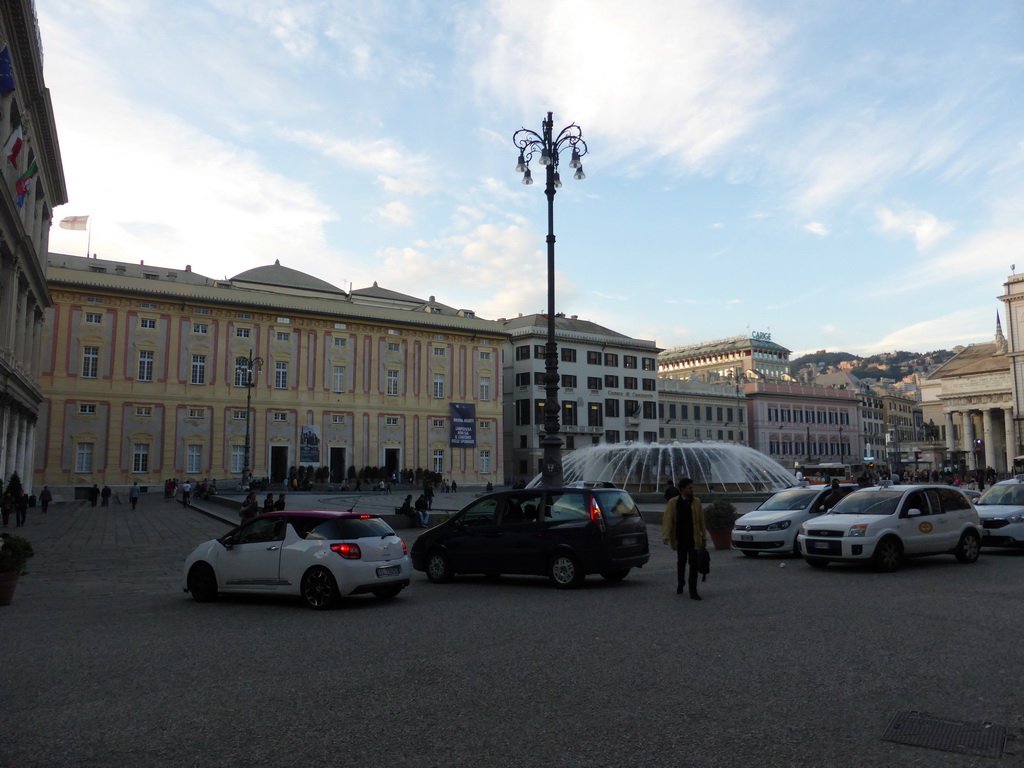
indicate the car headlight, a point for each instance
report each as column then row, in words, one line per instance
column 858, row 530
column 779, row 526
column 1018, row 518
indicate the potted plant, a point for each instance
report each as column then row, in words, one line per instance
column 14, row 554
column 719, row 516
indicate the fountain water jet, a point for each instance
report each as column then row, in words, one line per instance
column 647, row 468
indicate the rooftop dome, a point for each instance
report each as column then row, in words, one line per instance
column 284, row 277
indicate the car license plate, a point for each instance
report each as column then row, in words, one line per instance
column 746, row 537
column 819, row 545
column 389, row 570
column 629, row 541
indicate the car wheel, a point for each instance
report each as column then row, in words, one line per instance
column 386, row 593
column 816, row 562
column 969, row 548
column 618, row 574
column 319, row 589
column 439, row 567
column 564, row 569
column 888, row 555
column 202, row 583
column 750, row 552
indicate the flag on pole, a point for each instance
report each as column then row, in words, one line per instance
column 24, row 184
column 13, row 145
column 74, row 222
column 6, row 71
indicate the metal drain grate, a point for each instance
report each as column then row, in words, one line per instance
column 921, row 730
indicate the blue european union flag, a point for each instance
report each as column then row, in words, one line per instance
column 6, row 72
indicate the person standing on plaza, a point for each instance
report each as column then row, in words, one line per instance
column 684, row 530
column 428, row 492
column 133, row 494
column 268, row 503
column 105, row 495
column 6, row 507
column 279, row 504
column 45, row 498
column 94, row 495
column 20, row 509
column 186, row 493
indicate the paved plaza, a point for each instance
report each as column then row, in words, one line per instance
column 107, row 663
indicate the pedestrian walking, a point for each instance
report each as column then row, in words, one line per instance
column 45, row 498
column 20, row 509
column 684, row 530
column 105, row 495
column 428, row 493
column 133, row 494
column 186, row 493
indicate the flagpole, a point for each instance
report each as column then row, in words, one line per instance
column 88, row 237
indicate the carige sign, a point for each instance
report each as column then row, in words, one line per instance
column 761, row 336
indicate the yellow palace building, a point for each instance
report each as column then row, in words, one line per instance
column 151, row 373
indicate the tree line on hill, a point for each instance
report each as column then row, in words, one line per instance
column 887, row 365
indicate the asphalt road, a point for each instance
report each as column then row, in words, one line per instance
column 107, row 663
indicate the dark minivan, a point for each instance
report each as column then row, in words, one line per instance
column 562, row 533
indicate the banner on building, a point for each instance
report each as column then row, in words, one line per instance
column 463, row 424
column 309, row 444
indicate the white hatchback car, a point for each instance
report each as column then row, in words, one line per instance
column 319, row 556
column 1001, row 509
column 773, row 526
column 883, row 525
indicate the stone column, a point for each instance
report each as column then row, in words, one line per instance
column 950, row 434
column 30, row 459
column 988, row 434
column 969, row 438
column 1011, row 438
column 12, row 443
column 19, row 327
column 20, row 463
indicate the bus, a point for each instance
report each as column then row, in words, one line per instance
column 823, row 472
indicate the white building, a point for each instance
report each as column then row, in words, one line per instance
column 608, row 388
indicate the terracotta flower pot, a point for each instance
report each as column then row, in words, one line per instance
column 8, row 581
column 722, row 539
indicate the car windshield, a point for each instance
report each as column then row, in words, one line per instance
column 796, row 499
column 869, row 503
column 1003, row 494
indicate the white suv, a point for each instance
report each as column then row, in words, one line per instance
column 1001, row 509
column 885, row 524
column 773, row 526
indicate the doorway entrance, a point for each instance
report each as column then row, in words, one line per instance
column 337, row 465
column 278, row 463
column 392, row 461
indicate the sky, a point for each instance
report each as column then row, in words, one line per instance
column 844, row 176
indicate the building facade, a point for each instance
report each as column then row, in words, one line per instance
column 32, row 181
column 153, row 373
column 608, row 389
column 695, row 411
column 738, row 358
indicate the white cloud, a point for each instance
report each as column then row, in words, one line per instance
column 924, row 227
column 817, row 228
column 397, row 213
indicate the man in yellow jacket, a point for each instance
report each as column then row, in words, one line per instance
column 683, row 528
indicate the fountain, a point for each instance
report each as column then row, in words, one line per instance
column 647, row 468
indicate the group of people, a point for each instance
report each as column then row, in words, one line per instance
column 420, row 511
column 251, row 505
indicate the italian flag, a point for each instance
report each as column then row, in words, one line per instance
column 25, row 183
column 13, row 145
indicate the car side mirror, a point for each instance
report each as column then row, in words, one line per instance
column 228, row 542
column 915, row 512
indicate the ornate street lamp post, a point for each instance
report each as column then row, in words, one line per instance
column 549, row 149
column 246, row 371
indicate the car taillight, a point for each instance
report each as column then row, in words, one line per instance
column 595, row 514
column 348, row 551
column 405, row 549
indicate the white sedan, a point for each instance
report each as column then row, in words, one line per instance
column 319, row 556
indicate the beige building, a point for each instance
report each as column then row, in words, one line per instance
column 33, row 184
column 740, row 358
column 151, row 373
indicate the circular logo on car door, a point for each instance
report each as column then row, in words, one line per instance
column 925, row 527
